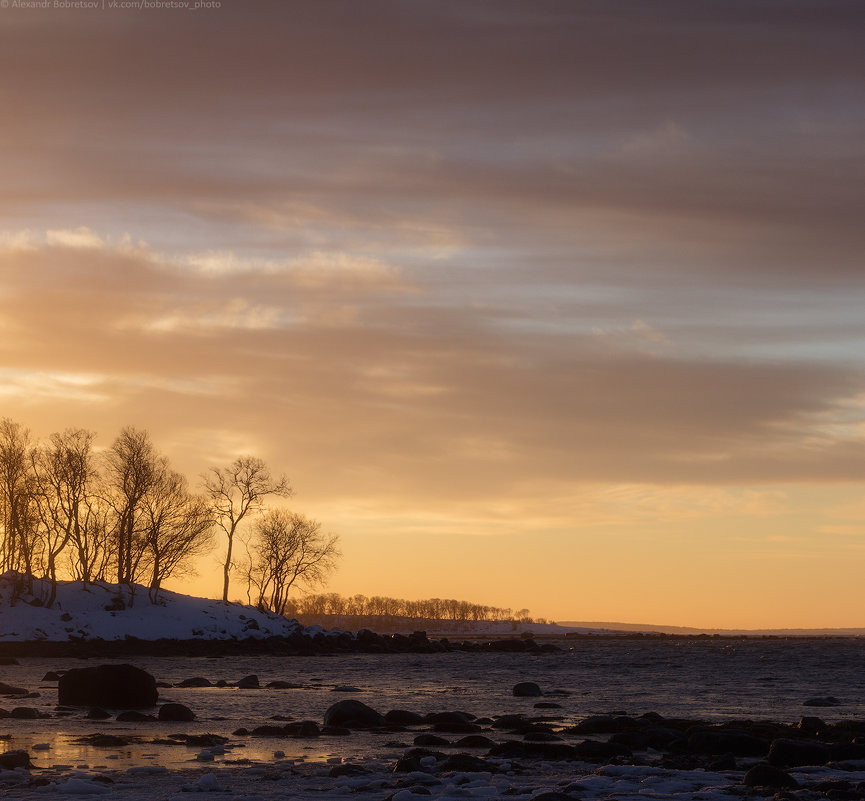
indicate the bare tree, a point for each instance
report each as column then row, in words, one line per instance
column 288, row 549
column 134, row 467
column 64, row 472
column 178, row 528
column 237, row 491
column 16, row 500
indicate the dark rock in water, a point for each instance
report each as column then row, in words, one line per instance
column 472, row 741
column 221, row 683
column 195, row 681
column 283, row 685
column 717, row 741
column 826, row 700
column 552, row 795
column 547, row 705
column 248, row 683
column 15, row 759
column 346, row 688
column 25, row 713
column 430, row 739
column 601, row 752
column 353, row 715
column 406, row 764
column 726, row 762
column 269, row 731
column 811, row 725
column 51, row 676
column 108, row 685
column 335, row 731
column 847, row 752
column 96, row 713
column 527, row 689
column 553, row 752
column 308, row 728
column 449, row 717
column 131, row 716
column 596, row 724
column 100, row 740
column 346, row 770
column 8, row 689
column 456, row 728
column 179, row 712
column 796, row 753
column 241, row 732
column 402, row 717
column 763, row 775
column 466, row 763
column 205, row 740
column 510, row 722
column 541, row 737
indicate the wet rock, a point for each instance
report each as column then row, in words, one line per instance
column 109, row 686
column 283, row 685
column 601, row 752
column 100, row 740
column 207, row 740
column 353, row 714
column 347, row 769
column 553, row 752
column 248, row 683
column 430, row 739
column 796, row 753
column 15, row 759
column 335, row 731
column 526, row 689
column 51, row 676
column 456, row 728
column 196, row 681
column 8, row 689
column 547, row 705
column 466, row 763
column 132, row 716
column 402, row 717
column 763, row 775
column 847, row 752
column 726, row 762
column 308, row 729
column 25, row 713
column 406, row 764
column 472, row 741
column 346, row 688
column 811, row 725
column 96, row 713
column 179, row 712
column 509, row 722
column 716, row 741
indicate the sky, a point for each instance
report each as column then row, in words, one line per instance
column 541, row 304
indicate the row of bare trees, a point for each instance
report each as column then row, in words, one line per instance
column 332, row 604
column 124, row 514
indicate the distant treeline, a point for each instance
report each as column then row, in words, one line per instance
column 328, row 605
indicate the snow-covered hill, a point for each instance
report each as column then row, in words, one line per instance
column 106, row 612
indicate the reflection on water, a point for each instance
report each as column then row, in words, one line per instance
column 711, row 679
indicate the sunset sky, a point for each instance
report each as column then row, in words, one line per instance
column 543, row 304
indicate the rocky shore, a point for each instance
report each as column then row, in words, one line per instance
column 451, row 753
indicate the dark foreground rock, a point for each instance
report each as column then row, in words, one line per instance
column 15, row 759
column 178, row 712
column 527, row 689
column 113, row 686
column 763, row 775
column 353, row 714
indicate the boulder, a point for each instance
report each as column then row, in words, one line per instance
column 796, row 753
column 109, row 686
column 15, row 759
column 527, row 689
column 402, row 717
column 824, row 700
column 763, row 775
column 248, row 683
column 8, row 689
column 178, row 712
column 352, row 714
column 133, row 716
column 196, row 681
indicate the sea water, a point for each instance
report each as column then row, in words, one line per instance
column 705, row 678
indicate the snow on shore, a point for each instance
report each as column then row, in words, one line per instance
column 106, row 612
